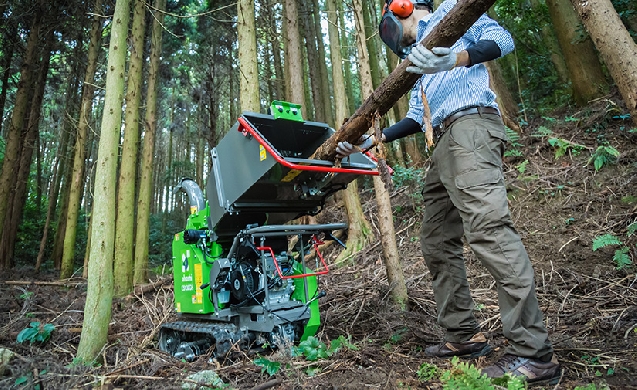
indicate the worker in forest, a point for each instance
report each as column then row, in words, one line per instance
column 464, row 191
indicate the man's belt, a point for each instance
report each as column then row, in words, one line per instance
column 468, row 111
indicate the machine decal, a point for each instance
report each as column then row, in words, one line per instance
column 262, row 154
column 198, row 283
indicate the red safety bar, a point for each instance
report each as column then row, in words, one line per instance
column 315, row 242
column 246, row 128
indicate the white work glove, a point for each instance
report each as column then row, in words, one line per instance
column 426, row 61
column 344, row 148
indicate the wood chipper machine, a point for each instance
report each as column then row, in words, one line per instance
column 243, row 278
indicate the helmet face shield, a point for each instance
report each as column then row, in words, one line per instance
column 391, row 32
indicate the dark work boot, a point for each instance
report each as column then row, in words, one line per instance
column 534, row 370
column 474, row 347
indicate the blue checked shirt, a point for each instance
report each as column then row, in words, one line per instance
column 461, row 87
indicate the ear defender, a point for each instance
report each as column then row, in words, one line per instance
column 401, row 8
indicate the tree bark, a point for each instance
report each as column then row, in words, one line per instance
column 294, row 59
column 359, row 230
column 14, row 133
column 19, row 195
column 322, row 65
column 585, row 71
column 142, row 233
column 395, row 276
column 77, row 178
column 248, row 70
column 99, row 294
column 399, row 82
column 615, row 45
column 125, row 222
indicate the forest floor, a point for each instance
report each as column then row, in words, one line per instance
column 558, row 205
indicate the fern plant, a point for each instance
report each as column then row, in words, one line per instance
column 622, row 256
column 464, row 376
column 563, row 146
column 514, row 143
column 604, row 155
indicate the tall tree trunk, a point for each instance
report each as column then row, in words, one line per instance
column 585, row 71
column 395, row 276
column 19, row 196
column 345, row 55
column 14, row 134
column 294, row 56
column 8, row 47
column 359, row 230
column 314, row 60
column 125, row 223
column 275, row 41
column 615, row 45
column 322, row 65
column 79, row 157
column 142, row 233
column 99, row 294
column 248, row 70
column 372, row 44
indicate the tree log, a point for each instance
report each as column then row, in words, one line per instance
column 451, row 28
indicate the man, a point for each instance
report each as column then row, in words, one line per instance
column 464, row 191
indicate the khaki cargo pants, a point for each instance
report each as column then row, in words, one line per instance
column 464, row 194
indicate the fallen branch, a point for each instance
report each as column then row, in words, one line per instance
column 63, row 283
column 267, row 385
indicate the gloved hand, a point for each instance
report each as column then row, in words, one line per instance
column 344, row 148
column 426, row 61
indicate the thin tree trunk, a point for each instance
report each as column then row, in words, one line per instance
column 19, row 196
column 345, row 55
column 142, row 233
column 14, row 134
column 79, row 160
column 294, row 55
column 359, row 230
column 395, row 276
column 248, row 70
column 125, row 222
column 99, row 295
column 322, row 65
column 313, row 60
column 9, row 48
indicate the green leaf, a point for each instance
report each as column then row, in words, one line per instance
column 621, row 258
column 268, row 366
column 605, row 240
column 27, row 334
column 21, row 380
column 632, row 228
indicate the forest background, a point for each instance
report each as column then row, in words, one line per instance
column 184, row 72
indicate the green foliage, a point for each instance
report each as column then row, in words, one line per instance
column 407, row 176
column 426, row 372
column 621, row 257
column 514, row 143
column 563, row 146
column 605, row 240
column 521, row 167
column 592, row 386
column 35, row 333
column 267, row 366
column 604, row 155
column 313, row 349
column 464, row 376
column 25, row 379
column 542, row 131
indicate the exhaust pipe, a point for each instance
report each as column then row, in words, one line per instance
column 195, row 196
